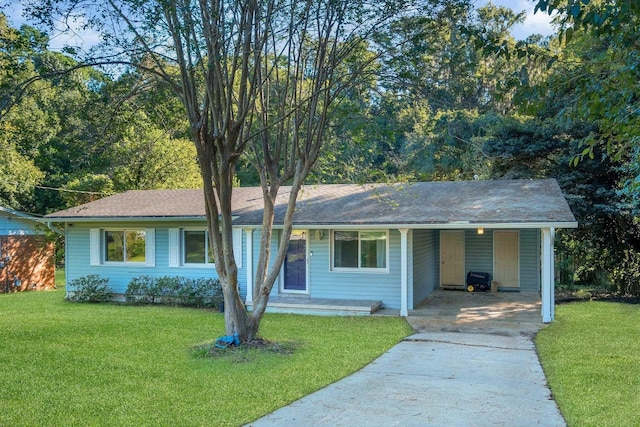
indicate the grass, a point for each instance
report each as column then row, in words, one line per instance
column 60, row 277
column 591, row 356
column 72, row 364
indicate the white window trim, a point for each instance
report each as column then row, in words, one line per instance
column 97, row 255
column 333, row 268
column 183, row 254
column 95, row 247
column 177, row 246
column 174, row 247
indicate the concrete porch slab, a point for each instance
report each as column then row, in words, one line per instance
column 321, row 306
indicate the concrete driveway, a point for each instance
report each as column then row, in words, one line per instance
column 453, row 371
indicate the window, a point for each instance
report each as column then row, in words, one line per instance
column 125, row 246
column 190, row 247
column 360, row 249
column 196, row 248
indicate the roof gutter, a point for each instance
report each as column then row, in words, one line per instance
column 454, row 225
column 125, row 219
column 431, row 226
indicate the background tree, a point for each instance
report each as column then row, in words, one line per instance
column 602, row 41
column 70, row 134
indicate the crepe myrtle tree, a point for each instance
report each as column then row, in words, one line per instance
column 257, row 78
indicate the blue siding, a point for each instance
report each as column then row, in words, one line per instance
column 530, row 260
column 478, row 257
column 323, row 282
column 11, row 225
column 479, row 251
column 357, row 285
column 78, row 258
column 256, row 237
column 425, row 264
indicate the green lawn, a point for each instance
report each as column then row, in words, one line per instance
column 591, row 356
column 79, row 364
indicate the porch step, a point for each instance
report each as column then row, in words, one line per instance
column 321, row 306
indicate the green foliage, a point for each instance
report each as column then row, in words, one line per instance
column 149, row 158
column 90, row 288
column 139, row 290
column 602, row 251
column 591, row 357
column 116, row 365
column 448, row 145
column 87, row 188
column 598, row 67
column 18, row 174
column 177, row 291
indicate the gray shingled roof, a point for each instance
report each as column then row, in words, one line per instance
column 429, row 203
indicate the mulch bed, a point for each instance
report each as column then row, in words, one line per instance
column 564, row 296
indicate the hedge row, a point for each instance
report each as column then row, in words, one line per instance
column 180, row 291
column 177, row 291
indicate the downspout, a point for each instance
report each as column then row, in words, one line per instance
column 55, row 229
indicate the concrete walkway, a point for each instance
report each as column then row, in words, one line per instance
column 487, row 376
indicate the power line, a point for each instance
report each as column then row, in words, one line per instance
column 42, row 187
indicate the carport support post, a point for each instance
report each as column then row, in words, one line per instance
column 548, row 293
column 404, row 271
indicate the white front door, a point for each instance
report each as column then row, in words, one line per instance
column 506, row 258
column 452, row 258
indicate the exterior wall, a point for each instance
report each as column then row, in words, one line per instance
column 478, row 257
column 275, row 238
column 478, row 251
column 424, row 274
column 11, row 225
column 31, row 263
column 78, row 261
column 425, row 264
column 31, row 260
column 530, row 276
column 325, row 283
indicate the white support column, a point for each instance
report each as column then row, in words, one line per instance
column 548, row 296
column 249, row 233
column 553, row 273
column 404, row 269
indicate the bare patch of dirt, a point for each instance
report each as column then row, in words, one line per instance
column 247, row 351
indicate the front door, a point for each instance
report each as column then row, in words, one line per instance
column 452, row 258
column 506, row 258
column 295, row 263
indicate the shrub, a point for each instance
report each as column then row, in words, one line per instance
column 90, row 288
column 166, row 290
column 139, row 290
column 180, row 291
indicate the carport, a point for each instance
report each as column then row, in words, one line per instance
column 503, row 313
column 504, row 230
